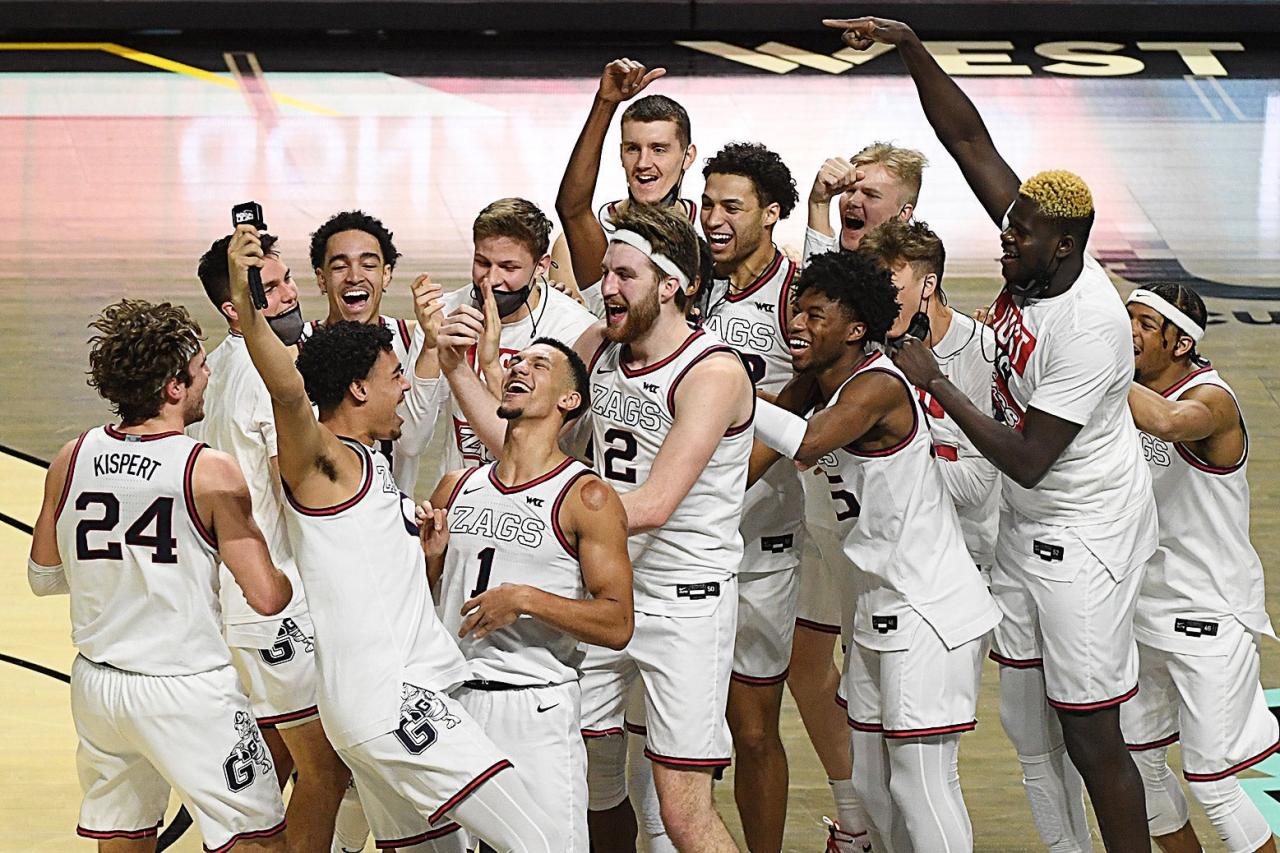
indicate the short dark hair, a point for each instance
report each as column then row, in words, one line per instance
column 337, row 355
column 138, row 348
column 862, row 286
column 517, row 219
column 581, row 379
column 214, row 271
column 670, row 234
column 1188, row 302
column 661, row 108
column 353, row 220
column 769, row 175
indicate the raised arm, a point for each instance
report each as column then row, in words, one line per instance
column 44, row 565
column 952, row 115
column 223, row 503
column 464, row 329
column 622, row 79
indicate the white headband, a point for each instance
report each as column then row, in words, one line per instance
column 660, row 260
column 1185, row 324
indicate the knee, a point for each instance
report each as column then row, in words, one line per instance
column 685, row 820
column 1095, row 743
column 754, row 736
column 606, row 772
column 1167, row 810
column 1235, row 818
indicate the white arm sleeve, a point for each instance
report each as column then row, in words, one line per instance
column 817, row 243
column 46, row 580
column 780, row 429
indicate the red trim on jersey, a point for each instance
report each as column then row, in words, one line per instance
column 745, row 425
column 555, row 513
column 1155, row 744
column 675, row 383
column 242, row 836
column 674, row 761
column 1094, row 706
column 71, row 469
column 820, row 627
column 189, row 495
column 290, row 717
column 363, row 453
column 872, row 728
column 784, row 299
column 948, row 452
column 127, row 436
column 954, row 728
column 760, row 681
column 536, row 481
column 447, row 829
column 1195, row 462
column 636, row 729
column 103, row 834
column 613, row 730
column 915, row 419
column 1184, row 380
column 405, row 337
column 468, row 789
column 769, row 272
column 841, row 701
column 643, row 371
column 457, row 487
column 1234, row 769
column 595, row 358
column 1015, row 663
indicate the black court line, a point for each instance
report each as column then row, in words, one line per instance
column 35, row 667
column 13, row 522
column 25, row 457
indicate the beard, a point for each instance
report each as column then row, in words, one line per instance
column 641, row 316
column 510, row 413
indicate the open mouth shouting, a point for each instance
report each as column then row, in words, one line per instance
column 356, row 299
column 615, row 313
column 719, row 241
column 514, row 388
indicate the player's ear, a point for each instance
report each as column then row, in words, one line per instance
column 929, row 286
column 1182, row 346
column 1066, row 245
column 358, row 390
column 690, row 155
column 543, row 266
column 569, row 401
column 906, row 212
column 857, row 333
column 320, row 280
column 229, row 311
column 772, row 214
column 667, row 288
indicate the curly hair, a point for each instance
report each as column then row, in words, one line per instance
column 670, row 234
column 906, row 164
column 215, row 273
column 769, row 175
column 895, row 242
column 352, row 220
column 337, row 355
column 517, row 219
column 661, row 108
column 1188, row 302
column 1059, row 194
column 862, row 286
column 138, row 349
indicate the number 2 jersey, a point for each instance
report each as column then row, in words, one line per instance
column 142, row 568
column 906, row 538
column 754, row 322
column 511, row 534
column 1205, row 569
column 677, row 568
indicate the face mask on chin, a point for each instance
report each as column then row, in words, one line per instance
column 508, row 301
column 288, row 326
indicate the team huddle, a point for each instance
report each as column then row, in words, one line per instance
column 678, row 468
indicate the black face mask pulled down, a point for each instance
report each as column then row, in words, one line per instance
column 508, row 301
column 288, row 326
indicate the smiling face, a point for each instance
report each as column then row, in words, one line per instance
column 505, row 263
column 383, row 389
column 653, row 158
column 877, row 198
column 539, row 384
column 354, row 276
column 1157, row 343
column 733, row 219
column 914, row 289
column 1031, row 244
column 821, row 332
column 630, row 287
column 277, row 283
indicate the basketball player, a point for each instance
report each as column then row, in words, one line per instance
column 888, row 188
column 536, row 562
column 354, row 257
column 421, row 763
column 670, row 428
column 1201, row 610
column 748, row 190
column 656, row 152
column 881, row 182
column 134, row 520
column 923, row 612
column 275, row 657
column 1078, row 519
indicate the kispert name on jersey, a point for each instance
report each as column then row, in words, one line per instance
column 754, row 322
column 142, row 568
column 511, row 534
column 677, row 567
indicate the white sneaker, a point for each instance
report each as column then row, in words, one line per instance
column 839, row 841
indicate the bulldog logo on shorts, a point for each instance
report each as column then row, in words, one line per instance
column 287, row 641
column 248, row 757
column 420, row 711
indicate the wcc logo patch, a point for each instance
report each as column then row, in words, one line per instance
column 420, row 712
column 248, row 758
column 288, row 641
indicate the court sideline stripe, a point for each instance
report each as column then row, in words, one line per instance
column 20, row 525
column 25, row 457
column 35, row 667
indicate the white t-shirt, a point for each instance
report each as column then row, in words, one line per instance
column 1071, row 356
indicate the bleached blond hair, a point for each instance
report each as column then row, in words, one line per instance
column 906, row 164
column 1059, row 194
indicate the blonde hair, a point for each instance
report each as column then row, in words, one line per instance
column 906, row 164
column 1059, row 194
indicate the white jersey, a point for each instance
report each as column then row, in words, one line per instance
column 142, row 567
column 1205, row 569
column 965, row 354
column 754, row 322
column 906, row 538
column 238, row 420
column 511, row 534
column 1071, row 356
column 677, row 568
column 375, row 625
column 556, row 316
